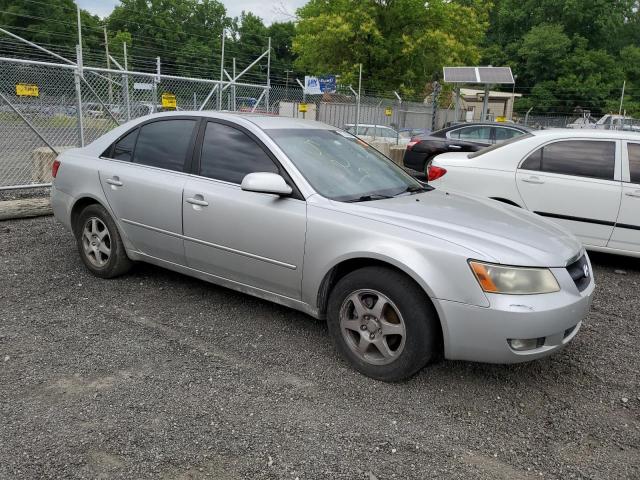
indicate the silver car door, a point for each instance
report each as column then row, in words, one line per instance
column 626, row 233
column 254, row 239
column 143, row 183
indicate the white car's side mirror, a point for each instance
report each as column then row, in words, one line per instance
column 264, row 182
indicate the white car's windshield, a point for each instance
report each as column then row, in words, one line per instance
column 341, row 167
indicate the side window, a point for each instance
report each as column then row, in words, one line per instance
column 634, row 161
column 123, row 149
column 503, row 134
column 533, row 161
column 595, row 159
column 229, row 154
column 164, row 144
column 454, row 134
column 475, row 133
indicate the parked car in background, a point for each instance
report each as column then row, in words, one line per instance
column 609, row 121
column 303, row 214
column 378, row 133
column 587, row 181
column 461, row 137
column 409, row 133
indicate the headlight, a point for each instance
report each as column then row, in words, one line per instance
column 514, row 280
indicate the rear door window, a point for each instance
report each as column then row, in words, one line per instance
column 503, row 134
column 229, row 154
column 479, row 133
column 164, row 144
column 594, row 159
column 634, row 161
column 123, row 149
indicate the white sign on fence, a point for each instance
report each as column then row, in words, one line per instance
column 143, row 86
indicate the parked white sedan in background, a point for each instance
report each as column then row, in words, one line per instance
column 586, row 180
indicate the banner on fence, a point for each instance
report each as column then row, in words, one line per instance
column 319, row 85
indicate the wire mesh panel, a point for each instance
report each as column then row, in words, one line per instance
column 45, row 97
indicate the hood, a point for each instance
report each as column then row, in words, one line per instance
column 499, row 232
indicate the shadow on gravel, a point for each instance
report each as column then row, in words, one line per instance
column 609, row 260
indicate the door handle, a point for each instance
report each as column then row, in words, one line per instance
column 198, row 201
column 633, row 194
column 534, row 180
column 455, row 147
column 115, row 181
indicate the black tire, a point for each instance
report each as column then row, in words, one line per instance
column 420, row 320
column 116, row 263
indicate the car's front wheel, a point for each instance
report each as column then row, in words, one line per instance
column 99, row 243
column 382, row 322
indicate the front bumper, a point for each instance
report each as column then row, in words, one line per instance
column 481, row 333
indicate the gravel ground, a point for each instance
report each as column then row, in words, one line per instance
column 156, row 375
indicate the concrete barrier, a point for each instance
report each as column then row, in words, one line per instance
column 42, row 159
column 24, row 208
column 396, row 153
column 382, row 147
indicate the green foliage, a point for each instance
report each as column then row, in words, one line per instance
column 568, row 53
column 402, row 44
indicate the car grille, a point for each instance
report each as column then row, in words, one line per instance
column 580, row 273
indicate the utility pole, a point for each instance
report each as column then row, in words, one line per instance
column 624, row 83
column 106, row 49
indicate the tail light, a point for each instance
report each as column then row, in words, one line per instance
column 412, row 144
column 55, row 167
column 435, row 172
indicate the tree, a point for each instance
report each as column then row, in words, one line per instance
column 52, row 25
column 402, row 44
column 185, row 33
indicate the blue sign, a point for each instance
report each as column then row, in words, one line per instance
column 319, row 85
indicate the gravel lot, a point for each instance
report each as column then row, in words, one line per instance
column 156, row 375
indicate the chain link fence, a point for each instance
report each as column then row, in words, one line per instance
column 46, row 108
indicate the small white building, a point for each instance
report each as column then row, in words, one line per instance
column 500, row 104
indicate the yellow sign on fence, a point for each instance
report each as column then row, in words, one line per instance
column 501, row 119
column 169, row 101
column 388, row 112
column 27, row 90
column 302, row 108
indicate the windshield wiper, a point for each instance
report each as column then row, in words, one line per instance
column 368, row 198
column 415, row 189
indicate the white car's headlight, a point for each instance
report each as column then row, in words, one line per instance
column 513, row 280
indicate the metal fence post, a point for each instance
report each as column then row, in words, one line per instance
column 358, row 99
column 125, row 83
column 268, row 75
column 77, row 74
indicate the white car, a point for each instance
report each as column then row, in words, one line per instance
column 585, row 180
column 377, row 133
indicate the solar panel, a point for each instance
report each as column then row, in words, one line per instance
column 486, row 75
column 460, row 75
column 495, row 75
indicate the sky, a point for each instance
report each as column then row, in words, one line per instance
column 269, row 11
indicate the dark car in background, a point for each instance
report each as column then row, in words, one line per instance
column 462, row 137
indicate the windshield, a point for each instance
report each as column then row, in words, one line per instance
column 498, row 145
column 341, row 167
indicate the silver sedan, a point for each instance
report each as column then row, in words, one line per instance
column 308, row 216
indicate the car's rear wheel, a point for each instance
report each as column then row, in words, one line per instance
column 99, row 243
column 382, row 322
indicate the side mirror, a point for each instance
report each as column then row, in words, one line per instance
column 264, row 182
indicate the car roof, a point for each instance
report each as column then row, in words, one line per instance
column 261, row 120
column 586, row 133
